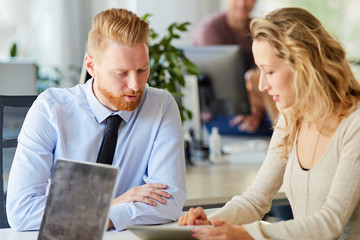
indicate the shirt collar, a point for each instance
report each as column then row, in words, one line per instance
column 100, row 111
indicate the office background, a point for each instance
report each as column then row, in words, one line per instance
column 53, row 33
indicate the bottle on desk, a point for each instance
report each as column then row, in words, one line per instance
column 215, row 145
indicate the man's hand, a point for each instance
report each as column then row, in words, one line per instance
column 221, row 230
column 248, row 123
column 150, row 193
column 194, row 217
column 207, row 116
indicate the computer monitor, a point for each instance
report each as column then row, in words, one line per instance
column 191, row 101
column 18, row 78
column 222, row 70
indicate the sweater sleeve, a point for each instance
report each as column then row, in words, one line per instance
column 255, row 202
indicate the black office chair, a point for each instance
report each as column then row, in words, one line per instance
column 13, row 110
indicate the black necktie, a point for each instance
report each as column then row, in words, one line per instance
column 107, row 149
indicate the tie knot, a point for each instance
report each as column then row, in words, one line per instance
column 113, row 122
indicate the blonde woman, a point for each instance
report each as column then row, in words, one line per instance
column 315, row 149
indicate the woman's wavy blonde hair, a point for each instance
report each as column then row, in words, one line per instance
column 118, row 25
column 323, row 81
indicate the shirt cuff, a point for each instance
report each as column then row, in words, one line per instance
column 120, row 216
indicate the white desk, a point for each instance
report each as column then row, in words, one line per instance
column 10, row 234
column 216, row 184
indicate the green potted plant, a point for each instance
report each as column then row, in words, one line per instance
column 168, row 64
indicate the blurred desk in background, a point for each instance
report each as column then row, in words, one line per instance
column 212, row 185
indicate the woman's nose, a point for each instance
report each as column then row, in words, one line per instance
column 263, row 83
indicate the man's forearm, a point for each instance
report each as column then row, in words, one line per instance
column 25, row 217
column 127, row 214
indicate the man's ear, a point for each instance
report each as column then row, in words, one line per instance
column 90, row 65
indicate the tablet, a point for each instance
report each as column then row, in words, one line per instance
column 163, row 232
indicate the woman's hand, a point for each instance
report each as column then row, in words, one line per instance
column 194, row 217
column 221, row 230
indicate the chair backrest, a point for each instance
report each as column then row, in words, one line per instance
column 13, row 110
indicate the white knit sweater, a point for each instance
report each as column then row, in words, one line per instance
column 324, row 200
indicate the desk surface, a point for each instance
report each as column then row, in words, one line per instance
column 10, row 234
column 215, row 184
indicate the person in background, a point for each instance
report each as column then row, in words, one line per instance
column 229, row 28
column 70, row 123
column 314, row 150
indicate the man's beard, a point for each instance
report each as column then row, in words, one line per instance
column 119, row 101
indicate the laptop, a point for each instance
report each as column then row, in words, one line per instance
column 79, row 200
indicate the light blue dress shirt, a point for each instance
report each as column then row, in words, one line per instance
column 69, row 123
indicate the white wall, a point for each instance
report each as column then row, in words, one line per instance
column 166, row 12
column 54, row 32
